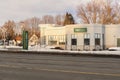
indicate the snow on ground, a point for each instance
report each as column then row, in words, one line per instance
column 47, row 49
column 42, row 48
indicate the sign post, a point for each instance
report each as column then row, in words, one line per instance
column 25, row 40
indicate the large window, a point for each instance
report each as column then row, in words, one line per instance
column 52, row 40
column 74, row 41
column 86, row 41
column 56, row 39
column 61, row 40
column 97, row 41
column 97, row 38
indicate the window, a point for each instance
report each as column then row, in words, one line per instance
column 97, row 35
column 97, row 41
column 87, row 35
column 86, row 41
column 74, row 36
column 52, row 42
column 97, row 38
column 61, row 43
column 74, row 41
column 50, row 38
column 61, row 40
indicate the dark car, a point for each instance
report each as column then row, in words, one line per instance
column 59, row 48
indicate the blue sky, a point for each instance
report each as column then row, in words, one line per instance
column 18, row 10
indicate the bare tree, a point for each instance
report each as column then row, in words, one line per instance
column 59, row 19
column 9, row 26
column 31, row 25
column 2, row 32
column 117, row 12
column 98, row 11
column 48, row 19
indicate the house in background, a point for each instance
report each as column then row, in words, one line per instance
column 34, row 40
column 18, row 40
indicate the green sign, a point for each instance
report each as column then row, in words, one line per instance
column 80, row 29
column 25, row 40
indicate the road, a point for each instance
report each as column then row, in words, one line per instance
column 56, row 67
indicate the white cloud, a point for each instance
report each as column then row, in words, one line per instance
column 21, row 9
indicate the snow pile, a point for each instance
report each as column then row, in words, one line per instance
column 41, row 48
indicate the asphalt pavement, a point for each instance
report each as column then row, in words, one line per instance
column 58, row 67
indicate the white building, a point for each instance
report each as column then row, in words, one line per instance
column 85, row 36
column 112, row 36
column 52, row 35
column 81, row 36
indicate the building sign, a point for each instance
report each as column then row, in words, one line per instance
column 25, row 40
column 80, row 29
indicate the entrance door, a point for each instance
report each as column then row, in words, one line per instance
column 118, row 42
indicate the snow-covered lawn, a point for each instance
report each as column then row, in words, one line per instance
column 47, row 49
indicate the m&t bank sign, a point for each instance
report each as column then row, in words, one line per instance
column 80, row 29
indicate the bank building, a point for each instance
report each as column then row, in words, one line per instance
column 80, row 36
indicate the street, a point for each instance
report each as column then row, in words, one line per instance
column 57, row 67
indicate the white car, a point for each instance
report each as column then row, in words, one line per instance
column 114, row 49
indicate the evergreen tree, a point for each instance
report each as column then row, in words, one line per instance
column 68, row 19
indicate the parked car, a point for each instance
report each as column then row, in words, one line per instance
column 59, row 48
column 114, row 49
